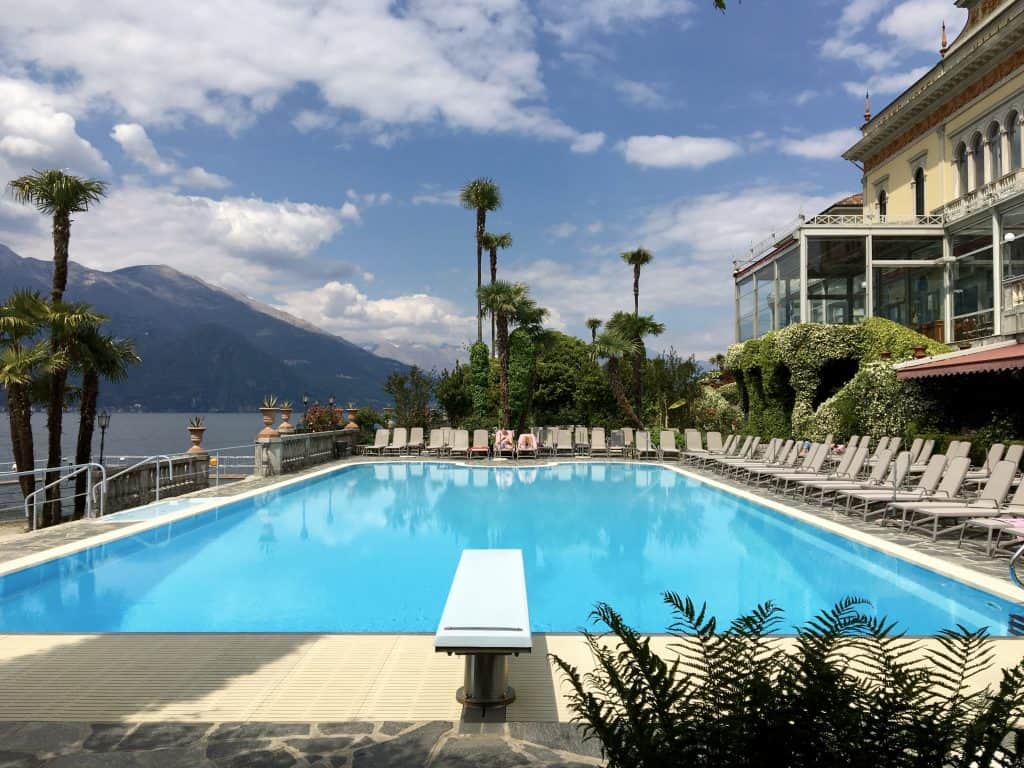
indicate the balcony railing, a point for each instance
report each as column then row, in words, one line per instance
column 871, row 220
column 988, row 195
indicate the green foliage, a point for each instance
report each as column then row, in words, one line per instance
column 453, row 394
column 367, row 418
column 480, row 382
column 323, row 418
column 522, row 364
column 781, row 376
column 673, row 389
column 413, row 393
column 850, row 691
column 730, row 393
column 711, row 412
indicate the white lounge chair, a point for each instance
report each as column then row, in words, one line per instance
column 629, row 440
column 460, row 443
column 598, row 445
column 380, row 443
column 644, row 449
column 415, row 440
column 505, row 443
column 526, row 446
column 436, row 445
column 486, row 618
column 693, row 450
column 581, row 442
column 667, row 445
column 563, row 443
column 867, row 498
column 399, row 441
column 481, row 444
column 714, row 440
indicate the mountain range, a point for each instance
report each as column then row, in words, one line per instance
column 205, row 349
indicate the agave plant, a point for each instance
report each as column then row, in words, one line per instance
column 269, row 401
column 286, row 405
column 196, row 422
column 849, row 690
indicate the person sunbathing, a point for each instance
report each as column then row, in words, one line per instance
column 504, row 440
column 527, row 443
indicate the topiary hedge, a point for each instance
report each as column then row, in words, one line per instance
column 810, row 379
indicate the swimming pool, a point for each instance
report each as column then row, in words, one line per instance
column 373, row 547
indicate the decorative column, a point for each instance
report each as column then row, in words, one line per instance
column 997, row 272
column 805, row 305
column 947, row 287
column 972, row 172
column 869, row 277
column 989, row 161
column 1020, row 138
column 1006, row 151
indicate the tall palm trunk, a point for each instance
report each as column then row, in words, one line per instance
column 19, row 412
column 506, row 408
column 481, row 228
column 58, row 380
column 494, row 277
column 638, row 375
column 86, row 428
column 615, row 378
column 61, row 239
column 636, row 290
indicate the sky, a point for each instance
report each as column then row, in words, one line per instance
column 309, row 154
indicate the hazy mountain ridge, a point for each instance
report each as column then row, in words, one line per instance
column 203, row 348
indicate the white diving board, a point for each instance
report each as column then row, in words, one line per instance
column 486, row 618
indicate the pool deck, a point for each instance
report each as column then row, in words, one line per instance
column 308, row 699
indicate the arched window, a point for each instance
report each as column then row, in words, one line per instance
column 883, row 203
column 995, row 144
column 978, row 148
column 919, row 192
column 961, row 170
column 1013, row 137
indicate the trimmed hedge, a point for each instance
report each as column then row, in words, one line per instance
column 781, row 374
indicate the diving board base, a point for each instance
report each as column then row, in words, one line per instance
column 485, row 683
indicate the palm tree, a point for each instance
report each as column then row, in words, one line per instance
column 593, row 323
column 635, row 328
column 510, row 303
column 96, row 356
column 22, row 358
column 637, row 259
column 718, row 361
column 58, row 194
column 613, row 347
column 492, row 243
column 481, row 195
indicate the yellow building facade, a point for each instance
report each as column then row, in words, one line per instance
column 936, row 239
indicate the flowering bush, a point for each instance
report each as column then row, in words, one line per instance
column 713, row 413
column 323, row 418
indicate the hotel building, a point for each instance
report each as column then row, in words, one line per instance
column 936, row 239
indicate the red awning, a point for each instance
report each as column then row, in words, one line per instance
column 997, row 359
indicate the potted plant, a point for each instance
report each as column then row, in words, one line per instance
column 196, row 428
column 285, row 428
column 352, row 411
column 268, row 410
column 920, row 351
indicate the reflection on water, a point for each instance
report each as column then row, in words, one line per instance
column 374, row 547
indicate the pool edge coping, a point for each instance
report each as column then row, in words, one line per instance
column 934, row 564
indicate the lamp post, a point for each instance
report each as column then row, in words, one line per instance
column 104, row 421
column 305, row 407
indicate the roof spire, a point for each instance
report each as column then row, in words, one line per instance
column 945, row 42
column 867, row 107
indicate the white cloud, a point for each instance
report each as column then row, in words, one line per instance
column 917, row 24
column 886, row 84
column 244, row 243
column 466, row 64
column 586, row 143
column 309, row 120
column 823, row 146
column 136, row 143
column 640, row 94
column 38, row 131
column 367, row 199
column 571, row 21
column 341, row 308
column 805, row 97
column 447, row 197
column 563, row 230
column 678, row 151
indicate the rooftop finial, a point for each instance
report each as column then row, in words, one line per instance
column 867, row 107
column 945, row 42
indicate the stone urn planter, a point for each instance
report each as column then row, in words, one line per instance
column 886, row 356
column 920, row 352
column 268, row 431
column 196, row 436
column 285, row 427
column 352, row 411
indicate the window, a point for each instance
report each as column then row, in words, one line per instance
column 973, row 295
column 978, row 159
column 836, row 279
column 1013, row 245
column 913, row 297
column 883, row 203
column 765, row 278
column 789, row 288
column 919, row 192
column 906, row 248
column 962, row 179
column 1013, row 138
column 746, row 309
column 995, row 149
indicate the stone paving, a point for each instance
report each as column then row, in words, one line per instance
column 360, row 744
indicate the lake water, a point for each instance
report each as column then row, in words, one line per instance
column 140, row 434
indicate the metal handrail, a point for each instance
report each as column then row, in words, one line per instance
column 34, row 496
column 102, row 487
column 1013, row 570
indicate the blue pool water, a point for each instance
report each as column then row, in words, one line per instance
column 373, row 548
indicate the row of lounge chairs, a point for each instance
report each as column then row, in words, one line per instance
column 544, row 441
column 915, row 488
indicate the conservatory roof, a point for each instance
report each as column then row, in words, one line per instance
column 1001, row 357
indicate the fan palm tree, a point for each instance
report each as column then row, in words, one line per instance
column 718, row 361
column 593, row 323
column 637, row 259
column 481, row 195
column 613, row 347
column 492, row 243
column 635, row 328
column 58, row 195
column 96, row 356
column 510, row 303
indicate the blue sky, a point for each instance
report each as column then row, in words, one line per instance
column 308, row 154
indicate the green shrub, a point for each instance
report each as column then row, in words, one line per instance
column 480, row 382
column 851, row 691
column 731, row 393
